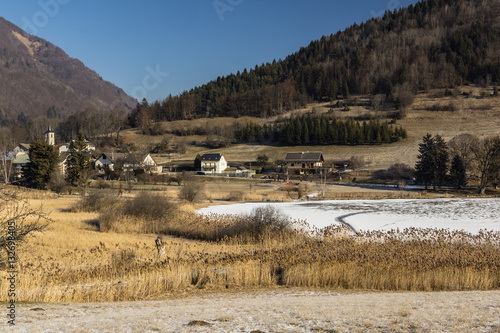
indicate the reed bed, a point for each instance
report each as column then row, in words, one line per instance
column 215, row 253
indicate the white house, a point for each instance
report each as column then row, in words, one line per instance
column 108, row 161
column 141, row 161
column 213, row 163
column 65, row 147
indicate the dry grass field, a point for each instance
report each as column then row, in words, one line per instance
column 474, row 114
column 75, row 262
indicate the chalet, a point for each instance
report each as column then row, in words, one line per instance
column 141, row 161
column 19, row 161
column 304, row 161
column 213, row 163
column 107, row 161
column 22, row 148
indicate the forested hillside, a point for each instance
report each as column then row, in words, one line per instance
column 432, row 44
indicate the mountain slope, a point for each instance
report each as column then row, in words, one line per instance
column 38, row 78
column 432, row 44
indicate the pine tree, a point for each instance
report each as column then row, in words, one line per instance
column 43, row 160
column 457, row 172
column 441, row 158
column 78, row 162
column 424, row 169
column 432, row 164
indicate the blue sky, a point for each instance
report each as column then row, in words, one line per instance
column 153, row 48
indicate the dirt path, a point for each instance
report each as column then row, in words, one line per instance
column 274, row 311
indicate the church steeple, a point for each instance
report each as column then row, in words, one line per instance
column 50, row 136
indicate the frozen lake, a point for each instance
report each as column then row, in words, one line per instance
column 468, row 214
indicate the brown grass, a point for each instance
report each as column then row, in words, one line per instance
column 74, row 262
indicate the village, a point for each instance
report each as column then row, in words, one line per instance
column 132, row 167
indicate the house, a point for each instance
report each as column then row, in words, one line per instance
column 66, row 147
column 22, row 148
column 304, row 161
column 107, row 161
column 213, row 163
column 19, row 161
column 141, row 161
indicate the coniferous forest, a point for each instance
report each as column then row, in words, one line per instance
column 432, row 44
column 307, row 130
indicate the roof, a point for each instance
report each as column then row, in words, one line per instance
column 113, row 157
column 21, row 158
column 23, row 147
column 310, row 156
column 211, row 157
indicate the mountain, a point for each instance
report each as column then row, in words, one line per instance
column 432, row 44
column 37, row 78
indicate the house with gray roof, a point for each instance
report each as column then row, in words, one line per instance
column 304, row 161
column 213, row 163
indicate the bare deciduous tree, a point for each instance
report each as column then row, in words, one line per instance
column 18, row 221
column 356, row 163
column 488, row 162
column 465, row 146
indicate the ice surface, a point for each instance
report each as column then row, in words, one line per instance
column 468, row 214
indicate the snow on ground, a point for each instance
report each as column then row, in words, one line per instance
column 285, row 310
column 469, row 214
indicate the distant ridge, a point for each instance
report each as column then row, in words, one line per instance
column 37, row 78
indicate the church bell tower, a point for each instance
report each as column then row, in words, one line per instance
column 50, row 136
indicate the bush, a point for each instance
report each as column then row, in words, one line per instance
column 447, row 107
column 95, row 201
column 192, row 191
column 400, row 171
column 261, row 221
column 146, row 213
column 149, row 206
column 236, row 196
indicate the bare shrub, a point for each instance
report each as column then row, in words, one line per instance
column 18, row 222
column 404, row 95
column 356, row 163
column 443, row 107
column 236, row 196
column 107, row 219
column 149, row 206
column 192, row 191
column 400, row 171
column 96, row 201
column 261, row 221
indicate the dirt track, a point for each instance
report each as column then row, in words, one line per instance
column 274, row 311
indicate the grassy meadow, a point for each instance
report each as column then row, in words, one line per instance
column 102, row 248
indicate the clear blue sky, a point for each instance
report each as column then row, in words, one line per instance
column 153, row 48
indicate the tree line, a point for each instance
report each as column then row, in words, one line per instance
column 462, row 159
column 309, row 130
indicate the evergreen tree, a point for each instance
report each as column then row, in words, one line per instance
column 424, row 169
column 441, row 160
column 432, row 164
column 197, row 162
column 457, row 172
column 43, row 161
column 78, row 162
